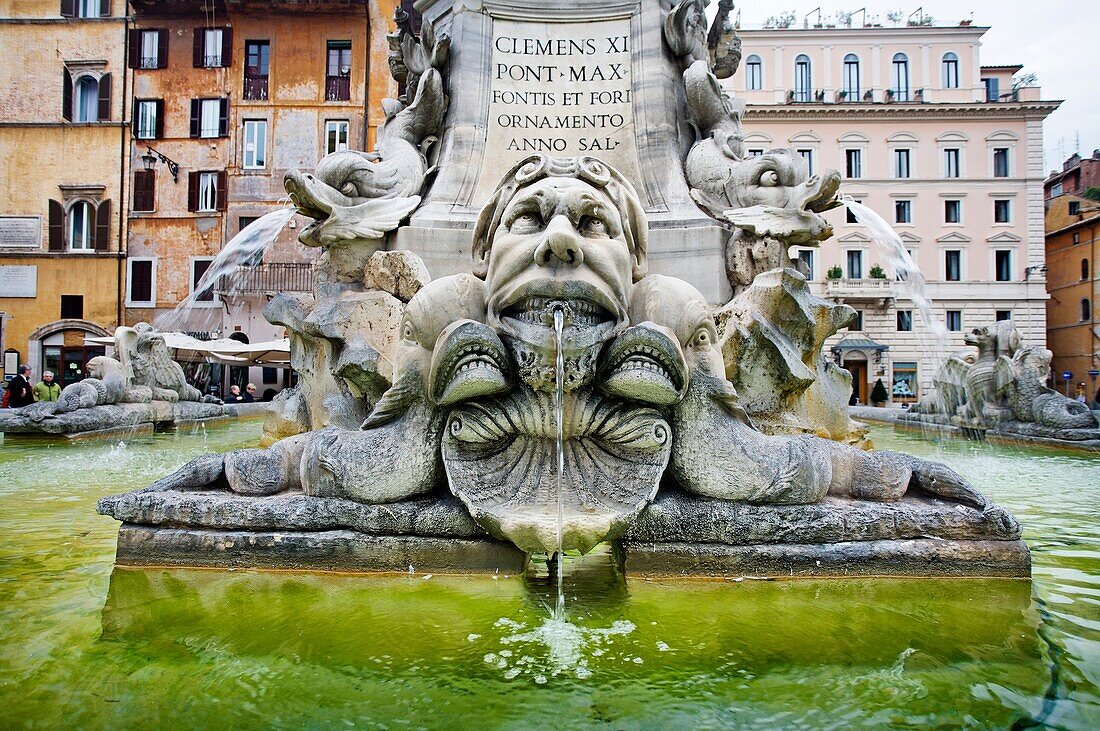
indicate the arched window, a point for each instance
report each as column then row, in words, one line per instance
column 803, row 81
column 81, row 226
column 86, row 100
column 950, row 70
column 901, row 77
column 754, row 73
column 1085, row 269
column 1086, row 309
column 851, row 77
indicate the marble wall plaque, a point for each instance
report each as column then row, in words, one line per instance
column 18, row 281
column 20, row 232
column 559, row 88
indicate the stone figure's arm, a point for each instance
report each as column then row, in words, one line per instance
column 884, row 475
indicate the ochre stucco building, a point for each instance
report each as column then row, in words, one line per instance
column 63, row 137
column 236, row 94
column 1072, row 248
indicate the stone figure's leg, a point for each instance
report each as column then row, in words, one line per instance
column 388, row 463
column 267, row 471
column 889, row 475
column 206, row 472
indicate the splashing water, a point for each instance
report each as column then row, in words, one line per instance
column 910, row 279
column 559, row 417
column 194, row 312
column 933, row 339
column 554, row 648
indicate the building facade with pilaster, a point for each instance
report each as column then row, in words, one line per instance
column 947, row 151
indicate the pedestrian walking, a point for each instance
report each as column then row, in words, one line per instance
column 47, row 389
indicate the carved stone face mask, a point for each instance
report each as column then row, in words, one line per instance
column 561, row 245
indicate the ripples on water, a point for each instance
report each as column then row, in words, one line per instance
column 82, row 645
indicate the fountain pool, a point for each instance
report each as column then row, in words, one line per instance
column 83, row 644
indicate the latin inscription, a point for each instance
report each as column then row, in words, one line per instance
column 20, row 232
column 18, row 281
column 559, row 89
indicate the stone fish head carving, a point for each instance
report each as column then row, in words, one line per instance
column 564, row 234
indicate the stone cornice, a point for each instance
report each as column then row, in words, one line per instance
column 979, row 110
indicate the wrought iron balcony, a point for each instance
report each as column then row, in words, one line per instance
column 255, row 87
column 267, row 279
column 337, row 88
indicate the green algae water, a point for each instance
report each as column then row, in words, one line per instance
column 85, row 645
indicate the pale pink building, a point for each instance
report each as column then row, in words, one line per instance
column 943, row 148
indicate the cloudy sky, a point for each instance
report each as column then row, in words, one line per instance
column 1054, row 39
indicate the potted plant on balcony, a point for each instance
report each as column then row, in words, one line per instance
column 876, row 272
column 834, row 272
column 879, row 394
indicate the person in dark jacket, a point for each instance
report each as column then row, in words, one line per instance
column 20, row 388
column 249, row 394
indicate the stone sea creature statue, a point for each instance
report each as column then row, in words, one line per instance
column 985, row 385
column 356, row 196
column 565, row 237
column 718, row 453
column 106, row 384
column 143, row 351
column 560, row 275
column 1031, row 400
column 950, row 386
column 770, row 201
column 772, row 337
column 687, row 36
column 412, row 56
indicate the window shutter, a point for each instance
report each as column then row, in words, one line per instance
column 134, row 49
column 198, row 47
column 159, row 105
column 104, row 97
column 192, row 191
column 196, row 109
column 145, row 190
column 162, row 49
column 103, row 226
column 227, row 47
column 223, row 190
column 68, row 8
column 223, row 118
column 66, row 95
column 57, row 226
column 104, row 8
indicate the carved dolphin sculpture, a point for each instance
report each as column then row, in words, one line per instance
column 356, row 195
column 716, row 452
column 396, row 454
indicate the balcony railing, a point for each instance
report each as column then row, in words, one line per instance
column 255, row 87
column 859, row 289
column 337, row 88
column 1009, row 97
column 267, row 279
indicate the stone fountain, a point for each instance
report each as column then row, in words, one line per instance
column 139, row 390
column 696, row 437
column 1001, row 390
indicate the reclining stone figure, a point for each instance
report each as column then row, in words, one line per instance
column 561, row 249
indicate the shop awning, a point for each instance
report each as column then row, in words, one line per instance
column 273, row 353
column 857, row 343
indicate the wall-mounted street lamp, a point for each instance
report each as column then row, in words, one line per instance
column 150, row 159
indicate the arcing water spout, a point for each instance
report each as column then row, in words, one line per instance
column 245, row 248
column 559, row 418
column 900, row 263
